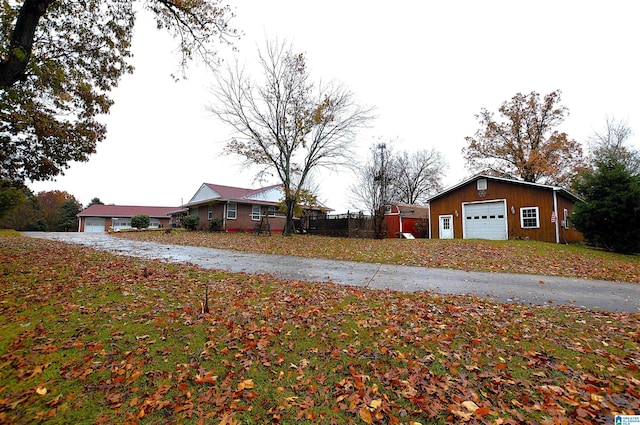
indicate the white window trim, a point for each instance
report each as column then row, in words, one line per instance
column 522, row 218
column 254, row 216
column 232, row 211
column 210, row 212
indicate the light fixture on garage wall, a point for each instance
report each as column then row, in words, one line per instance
column 457, row 213
column 513, row 210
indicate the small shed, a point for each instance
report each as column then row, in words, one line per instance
column 403, row 219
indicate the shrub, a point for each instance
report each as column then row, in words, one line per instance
column 190, row 222
column 140, row 221
column 215, row 225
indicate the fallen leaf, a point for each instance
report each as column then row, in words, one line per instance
column 482, row 411
column 470, row 406
column 365, row 415
column 247, row 384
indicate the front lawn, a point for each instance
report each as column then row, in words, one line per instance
column 90, row 337
column 516, row 256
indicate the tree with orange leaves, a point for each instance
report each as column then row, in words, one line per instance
column 526, row 144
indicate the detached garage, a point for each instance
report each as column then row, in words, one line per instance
column 495, row 208
column 100, row 218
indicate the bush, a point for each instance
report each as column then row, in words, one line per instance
column 215, row 225
column 190, row 222
column 140, row 221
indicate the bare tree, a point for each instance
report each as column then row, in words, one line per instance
column 419, row 175
column 409, row 177
column 286, row 125
column 610, row 144
column 375, row 178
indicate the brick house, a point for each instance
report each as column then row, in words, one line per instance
column 239, row 209
column 101, row 218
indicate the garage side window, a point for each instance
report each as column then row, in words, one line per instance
column 529, row 218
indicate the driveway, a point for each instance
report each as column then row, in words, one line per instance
column 502, row 287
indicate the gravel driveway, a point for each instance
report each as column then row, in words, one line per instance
column 503, row 287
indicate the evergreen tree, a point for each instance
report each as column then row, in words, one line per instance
column 67, row 216
column 95, row 201
column 610, row 217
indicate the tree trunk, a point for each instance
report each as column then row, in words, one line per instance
column 13, row 67
column 289, row 227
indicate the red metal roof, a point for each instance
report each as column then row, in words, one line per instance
column 97, row 210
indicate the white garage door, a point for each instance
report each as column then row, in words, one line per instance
column 94, row 225
column 486, row 220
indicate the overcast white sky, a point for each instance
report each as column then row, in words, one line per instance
column 428, row 67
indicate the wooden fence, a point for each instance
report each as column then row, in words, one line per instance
column 350, row 225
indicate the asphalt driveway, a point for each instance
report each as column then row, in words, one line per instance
column 502, row 287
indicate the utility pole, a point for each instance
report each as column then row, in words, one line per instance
column 382, row 181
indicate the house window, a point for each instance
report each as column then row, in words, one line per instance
column 272, row 211
column 482, row 184
column 529, row 218
column 566, row 219
column 232, row 211
column 210, row 212
column 255, row 212
column 121, row 223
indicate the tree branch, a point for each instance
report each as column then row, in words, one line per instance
column 13, row 68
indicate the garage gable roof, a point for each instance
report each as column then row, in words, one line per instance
column 559, row 189
column 98, row 210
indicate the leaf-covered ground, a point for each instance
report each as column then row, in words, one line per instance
column 514, row 256
column 89, row 337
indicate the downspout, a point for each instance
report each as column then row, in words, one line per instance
column 224, row 216
column 555, row 211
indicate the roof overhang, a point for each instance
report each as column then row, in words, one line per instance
column 557, row 189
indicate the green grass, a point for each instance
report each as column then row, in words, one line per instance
column 117, row 340
column 8, row 232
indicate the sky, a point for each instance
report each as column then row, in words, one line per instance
column 427, row 67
